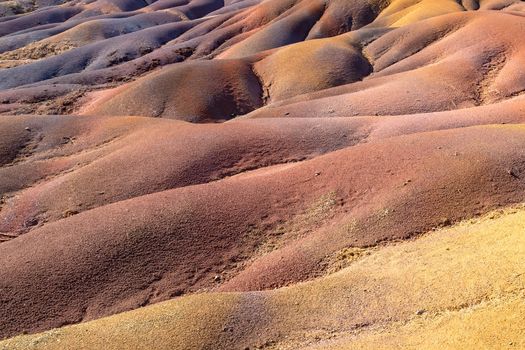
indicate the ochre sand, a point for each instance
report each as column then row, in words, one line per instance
column 274, row 174
column 460, row 287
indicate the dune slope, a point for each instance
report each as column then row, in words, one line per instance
column 247, row 174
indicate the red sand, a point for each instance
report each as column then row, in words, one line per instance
column 292, row 130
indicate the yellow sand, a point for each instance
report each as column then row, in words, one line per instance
column 455, row 288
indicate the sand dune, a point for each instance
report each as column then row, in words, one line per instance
column 246, row 174
column 390, row 298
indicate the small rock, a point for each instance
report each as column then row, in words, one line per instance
column 66, row 140
column 27, row 128
column 31, row 222
column 177, row 293
column 217, row 278
column 420, row 312
column 445, row 222
column 513, row 173
column 69, row 213
column 317, row 173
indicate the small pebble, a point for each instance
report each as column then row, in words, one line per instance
column 513, row 173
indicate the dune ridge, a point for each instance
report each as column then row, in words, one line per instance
column 246, row 174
